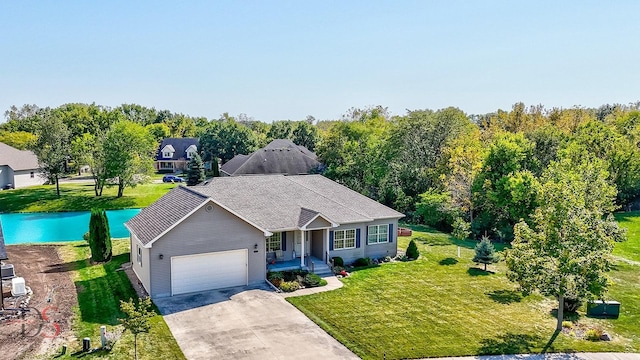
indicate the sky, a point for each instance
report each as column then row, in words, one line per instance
column 279, row 60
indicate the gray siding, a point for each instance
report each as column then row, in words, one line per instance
column 365, row 250
column 205, row 232
column 318, row 223
column 141, row 270
column 5, row 175
column 23, row 178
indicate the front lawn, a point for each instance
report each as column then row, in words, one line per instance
column 442, row 305
column 100, row 289
column 79, row 197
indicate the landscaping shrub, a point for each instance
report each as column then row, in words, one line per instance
column 323, row 282
column 593, row 334
column 567, row 324
column 312, row 280
column 289, row 286
column 338, row 269
column 412, row 250
column 86, row 236
column 485, row 253
column 337, row 261
column 360, row 262
column 99, row 236
column 275, row 277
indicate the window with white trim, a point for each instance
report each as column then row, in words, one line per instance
column 378, row 234
column 167, row 154
column 274, row 242
column 344, row 239
column 139, row 255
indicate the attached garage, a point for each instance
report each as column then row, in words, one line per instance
column 216, row 270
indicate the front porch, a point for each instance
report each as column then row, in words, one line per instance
column 311, row 264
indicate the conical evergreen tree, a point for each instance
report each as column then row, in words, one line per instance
column 215, row 168
column 485, row 253
column 412, row 250
column 99, row 236
column 195, row 170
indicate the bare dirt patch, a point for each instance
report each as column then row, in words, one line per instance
column 47, row 322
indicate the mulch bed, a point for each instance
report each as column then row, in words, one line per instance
column 46, row 325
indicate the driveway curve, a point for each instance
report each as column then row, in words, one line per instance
column 246, row 323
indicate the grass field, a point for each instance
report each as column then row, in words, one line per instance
column 79, row 197
column 442, row 305
column 100, row 289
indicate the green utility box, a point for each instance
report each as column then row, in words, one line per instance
column 603, row 308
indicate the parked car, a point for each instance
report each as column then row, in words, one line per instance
column 8, row 186
column 172, row 178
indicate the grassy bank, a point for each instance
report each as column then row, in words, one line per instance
column 100, row 289
column 442, row 305
column 79, row 197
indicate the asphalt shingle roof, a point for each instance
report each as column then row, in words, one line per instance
column 17, row 159
column 3, row 251
column 164, row 213
column 179, row 145
column 270, row 202
column 281, row 156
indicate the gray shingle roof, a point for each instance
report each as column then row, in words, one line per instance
column 3, row 251
column 180, row 146
column 305, row 216
column 164, row 213
column 281, row 156
column 270, row 202
column 17, row 159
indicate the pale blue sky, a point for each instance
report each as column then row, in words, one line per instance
column 287, row 59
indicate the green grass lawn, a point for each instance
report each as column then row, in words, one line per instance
column 442, row 305
column 629, row 249
column 100, row 289
column 79, row 197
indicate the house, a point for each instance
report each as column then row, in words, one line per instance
column 18, row 168
column 281, row 156
column 229, row 231
column 174, row 154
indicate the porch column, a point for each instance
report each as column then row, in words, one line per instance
column 326, row 246
column 302, row 248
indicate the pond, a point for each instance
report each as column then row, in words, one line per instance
column 26, row 228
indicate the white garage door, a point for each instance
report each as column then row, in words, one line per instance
column 208, row 271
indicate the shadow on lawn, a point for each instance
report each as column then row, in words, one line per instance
column 99, row 297
column 448, row 261
column 478, row 272
column 505, row 296
column 509, row 343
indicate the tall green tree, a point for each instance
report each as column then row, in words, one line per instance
column 195, row 170
column 305, row 134
column 128, row 154
column 566, row 251
column 137, row 320
column 225, row 139
column 99, row 236
column 52, row 147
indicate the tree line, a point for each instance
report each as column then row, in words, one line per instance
column 468, row 173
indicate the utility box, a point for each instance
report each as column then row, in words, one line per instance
column 7, row 271
column 18, row 287
column 603, row 308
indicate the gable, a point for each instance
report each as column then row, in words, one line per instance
column 318, row 223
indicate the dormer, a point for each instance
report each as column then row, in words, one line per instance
column 167, row 152
column 191, row 151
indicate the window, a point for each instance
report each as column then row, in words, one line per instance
column 32, row 175
column 190, row 154
column 344, row 239
column 139, row 255
column 167, row 154
column 378, row 234
column 274, row 242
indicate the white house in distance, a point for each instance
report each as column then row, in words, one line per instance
column 18, row 168
column 174, row 154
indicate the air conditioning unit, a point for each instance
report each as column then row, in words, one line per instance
column 7, row 271
column 18, row 287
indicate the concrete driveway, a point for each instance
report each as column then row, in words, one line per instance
column 246, row 323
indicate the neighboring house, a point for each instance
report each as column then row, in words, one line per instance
column 174, row 154
column 229, row 231
column 281, row 156
column 18, row 167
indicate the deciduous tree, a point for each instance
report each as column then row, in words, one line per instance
column 137, row 319
column 52, row 147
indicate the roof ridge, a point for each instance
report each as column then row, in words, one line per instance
column 193, row 191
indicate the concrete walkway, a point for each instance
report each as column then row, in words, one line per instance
column 332, row 284
column 578, row 356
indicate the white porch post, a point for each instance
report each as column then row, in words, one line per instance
column 302, row 235
column 326, row 246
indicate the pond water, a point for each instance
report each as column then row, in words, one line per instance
column 26, row 228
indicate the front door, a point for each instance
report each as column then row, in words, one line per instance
column 297, row 243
